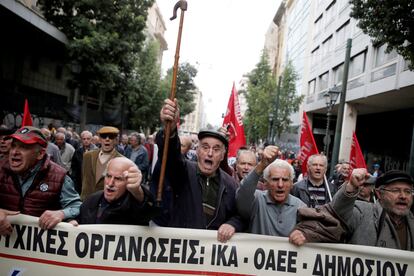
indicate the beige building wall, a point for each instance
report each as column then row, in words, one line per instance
column 194, row 121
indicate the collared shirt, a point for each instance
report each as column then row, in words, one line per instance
column 69, row 198
column 209, row 187
column 266, row 217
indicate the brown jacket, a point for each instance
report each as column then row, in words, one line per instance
column 89, row 183
column 321, row 224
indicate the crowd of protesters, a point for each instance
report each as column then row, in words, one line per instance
column 112, row 178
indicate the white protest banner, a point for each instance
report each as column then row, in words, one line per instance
column 133, row 250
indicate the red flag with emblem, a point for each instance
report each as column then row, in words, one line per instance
column 27, row 118
column 356, row 158
column 233, row 122
column 307, row 144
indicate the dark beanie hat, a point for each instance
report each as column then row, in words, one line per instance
column 393, row 176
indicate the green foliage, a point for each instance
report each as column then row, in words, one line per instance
column 389, row 22
column 259, row 96
column 105, row 37
column 185, row 87
column 145, row 99
column 289, row 101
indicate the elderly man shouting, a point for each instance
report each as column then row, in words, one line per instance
column 32, row 184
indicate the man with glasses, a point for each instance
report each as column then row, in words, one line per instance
column 95, row 161
column 122, row 201
column 204, row 195
column 386, row 223
column 272, row 211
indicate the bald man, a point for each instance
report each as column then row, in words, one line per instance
column 123, row 200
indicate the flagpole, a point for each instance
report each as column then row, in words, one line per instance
column 183, row 6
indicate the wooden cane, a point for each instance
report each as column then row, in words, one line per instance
column 167, row 131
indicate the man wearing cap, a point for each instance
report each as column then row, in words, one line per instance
column 204, row 195
column 386, row 223
column 32, row 184
column 5, row 142
column 95, row 161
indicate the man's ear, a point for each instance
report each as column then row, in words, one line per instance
column 378, row 193
column 41, row 154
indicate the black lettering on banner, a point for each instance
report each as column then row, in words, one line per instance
column 344, row 268
column 161, row 256
column 37, row 239
column 292, row 261
column 107, row 240
column 62, row 238
column 355, row 264
column 81, row 239
column 96, row 244
column 153, row 243
column 50, row 240
column 19, row 236
column 7, row 241
column 281, row 260
column 330, row 265
column 120, row 251
column 184, row 253
column 135, row 248
column 369, row 264
column 401, row 270
column 191, row 258
column 29, row 238
column 385, row 269
column 318, row 267
column 174, row 250
column 259, row 258
column 271, row 262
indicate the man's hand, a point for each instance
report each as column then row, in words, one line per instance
column 225, row 232
column 170, row 112
column 357, row 179
column 49, row 219
column 73, row 222
column 269, row 155
column 297, row 238
column 5, row 226
column 133, row 177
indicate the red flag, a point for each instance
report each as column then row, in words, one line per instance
column 27, row 118
column 307, row 144
column 356, row 158
column 234, row 124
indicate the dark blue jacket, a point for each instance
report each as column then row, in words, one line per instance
column 187, row 210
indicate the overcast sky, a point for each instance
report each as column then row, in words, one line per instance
column 223, row 39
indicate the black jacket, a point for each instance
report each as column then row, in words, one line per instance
column 187, row 211
column 126, row 210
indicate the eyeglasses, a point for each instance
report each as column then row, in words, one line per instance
column 216, row 149
column 117, row 179
column 5, row 138
column 406, row 192
column 108, row 135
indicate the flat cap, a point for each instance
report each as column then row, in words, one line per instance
column 6, row 131
column 393, row 176
column 30, row 135
column 214, row 134
column 108, row 130
column 371, row 180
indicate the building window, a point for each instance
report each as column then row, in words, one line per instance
column 338, row 72
column 311, row 87
column 342, row 34
column 357, row 65
column 381, row 57
column 323, row 81
column 330, row 13
column 314, row 57
column 326, row 47
column 318, row 26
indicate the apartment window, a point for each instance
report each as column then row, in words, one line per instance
column 338, row 72
column 381, row 57
column 314, row 57
column 330, row 13
column 326, row 47
column 318, row 26
column 323, row 81
column 311, row 87
column 357, row 65
column 342, row 34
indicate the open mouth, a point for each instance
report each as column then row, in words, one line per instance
column 15, row 162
